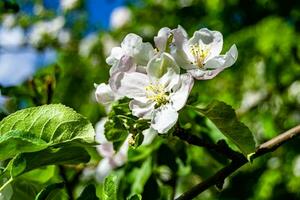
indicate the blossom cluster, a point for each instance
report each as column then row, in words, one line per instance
column 159, row 80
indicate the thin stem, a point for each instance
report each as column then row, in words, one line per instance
column 220, row 176
column 65, row 179
column 6, row 183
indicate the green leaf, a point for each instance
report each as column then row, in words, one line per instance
column 36, row 128
column 89, row 193
column 142, row 176
column 225, row 119
column 110, row 188
column 46, row 192
column 15, row 142
column 41, row 175
column 135, row 197
column 52, row 156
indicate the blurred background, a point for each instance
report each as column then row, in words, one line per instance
column 53, row 51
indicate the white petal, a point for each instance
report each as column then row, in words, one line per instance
column 213, row 40
column 180, row 36
column 104, row 94
column 99, row 128
column 164, row 118
column 125, row 64
column 103, row 169
column 142, row 109
column 145, row 54
column 149, row 135
column 223, row 61
column 181, row 94
column 115, row 55
column 131, row 85
column 160, row 64
column 169, row 80
column 162, row 38
column 133, row 46
column 205, row 74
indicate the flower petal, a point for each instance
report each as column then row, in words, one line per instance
column 213, row 40
column 180, row 95
column 162, row 38
column 133, row 46
column 164, row 118
column 142, row 109
column 104, row 94
column 103, row 169
column 149, row 135
column 169, row 80
column 205, row 74
column 223, row 61
column 131, row 85
column 160, row 64
column 115, row 55
column 125, row 64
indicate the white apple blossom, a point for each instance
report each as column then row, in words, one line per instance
column 200, row 55
column 134, row 47
column 68, row 4
column 157, row 95
column 111, row 158
column 44, row 29
column 120, row 16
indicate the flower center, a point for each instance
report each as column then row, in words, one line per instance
column 199, row 52
column 157, row 93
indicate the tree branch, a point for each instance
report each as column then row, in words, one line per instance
column 263, row 149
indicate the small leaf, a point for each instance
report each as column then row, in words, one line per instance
column 89, row 193
column 52, row 156
column 135, row 197
column 110, row 188
column 42, row 195
column 225, row 119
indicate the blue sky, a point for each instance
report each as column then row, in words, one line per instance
column 98, row 10
column 10, row 61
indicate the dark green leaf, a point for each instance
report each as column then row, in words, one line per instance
column 52, row 156
column 89, row 193
column 225, row 119
column 142, row 176
column 135, row 197
column 46, row 192
column 16, row 141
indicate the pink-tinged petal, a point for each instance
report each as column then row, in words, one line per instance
column 131, row 85
column 125, row 64
column 164, row 118
column 205, row 74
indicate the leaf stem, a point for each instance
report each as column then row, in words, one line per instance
column 6, row 183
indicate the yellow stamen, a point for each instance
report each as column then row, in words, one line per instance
column 157, row 93
column 199, row 53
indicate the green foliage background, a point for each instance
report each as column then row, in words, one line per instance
column 263, row 86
